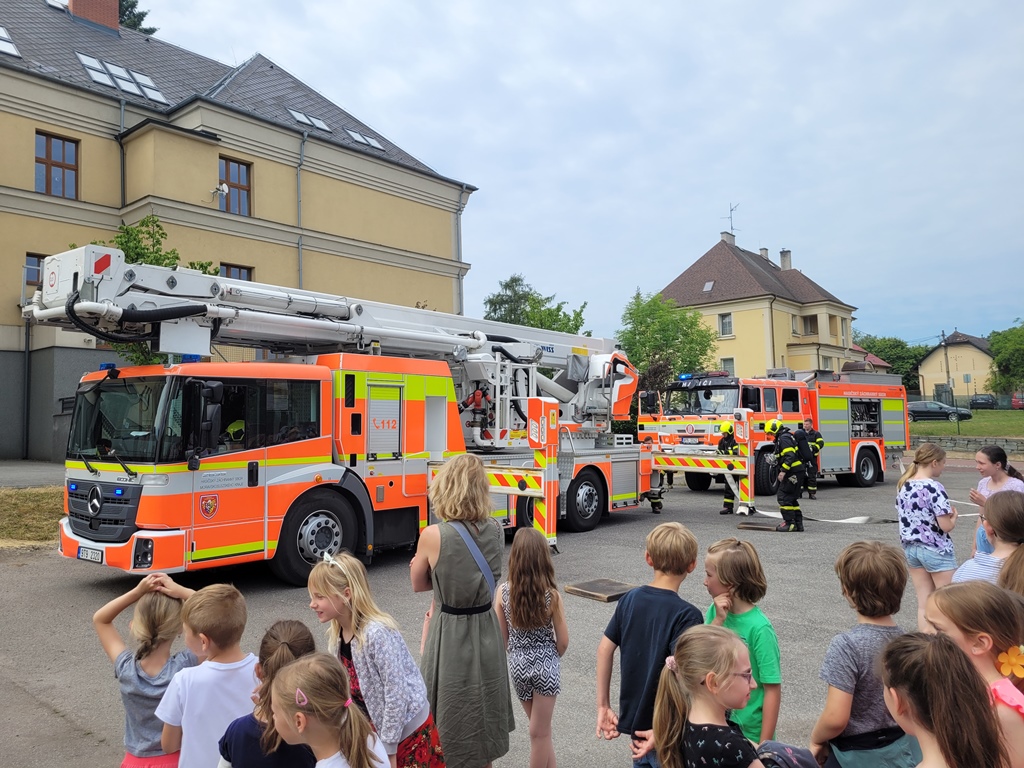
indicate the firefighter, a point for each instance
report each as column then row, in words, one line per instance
column 815, row 442
column 791, row 470
column 727, row 446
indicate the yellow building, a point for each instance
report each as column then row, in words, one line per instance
column 245, row 166
column 766, row 315
column 963, row 364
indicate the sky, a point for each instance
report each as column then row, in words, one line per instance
column 882, row 143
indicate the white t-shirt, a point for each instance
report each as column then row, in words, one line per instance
column 337, row 760
column 203, row 701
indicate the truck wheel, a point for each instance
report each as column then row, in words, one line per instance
column 319, row 522
column 766, row 476
column 585, row 502
column 866, row 471
column 696, row 481
column 524, row 512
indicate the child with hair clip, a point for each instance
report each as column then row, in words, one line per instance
column 987, row 624
column 926, row 520
column 736, row 582
column 251, row 741
column 532, row 621
column 935, row 694
column 311, row 704
column 143, row 674
column 389, row 680
column 1002, row 519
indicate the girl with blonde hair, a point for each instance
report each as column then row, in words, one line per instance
column 463, row 660
column 926, row 520
column 369, row 644
column 1002, row 519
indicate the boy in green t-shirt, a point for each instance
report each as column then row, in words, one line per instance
column 735, row 580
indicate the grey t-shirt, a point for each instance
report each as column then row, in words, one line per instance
column 140, row 694
column 849, row 665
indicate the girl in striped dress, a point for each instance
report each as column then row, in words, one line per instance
column 532, row 619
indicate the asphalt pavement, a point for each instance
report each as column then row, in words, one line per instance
column 60, row 700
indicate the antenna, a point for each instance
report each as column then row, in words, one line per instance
column 221, row 189
column 729, row 217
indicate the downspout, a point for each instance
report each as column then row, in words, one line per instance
column 771, row 327
column 298, row 196
column 461, row 310
column 26, row 399
column 120, row 146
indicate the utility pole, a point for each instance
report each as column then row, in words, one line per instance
column 949, row 378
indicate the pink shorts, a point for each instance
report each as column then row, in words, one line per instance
column 157, row 761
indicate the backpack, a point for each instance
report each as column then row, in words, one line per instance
column 803, row 448
column 775, row 754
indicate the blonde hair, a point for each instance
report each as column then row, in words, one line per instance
column 739, row 568
column 700, row 650
column 318, row 686
column 874, row 576
column 925, row 454
column 531, row 576
column 156, row 620
column 285, row 641
column 1004, row 511
column 331, row 579
column 217, row 611
column 672, row 547
column 461, row 490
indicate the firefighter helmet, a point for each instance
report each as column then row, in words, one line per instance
column 773, row 427
column 726, row 428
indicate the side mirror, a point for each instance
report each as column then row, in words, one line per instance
column 213, row 392
column 651, row 400
column 193, row 463
column 209, row 430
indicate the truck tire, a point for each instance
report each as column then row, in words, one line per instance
column 524, row 512
column 766, row 476
column 586, row 501
column 696, row 481
column 318, row 522
column 865, row 473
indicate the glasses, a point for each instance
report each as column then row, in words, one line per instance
column 748, row 676
column 981, row 517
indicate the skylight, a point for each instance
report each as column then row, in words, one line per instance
column 373, row 142
column 116, row 76
column 316, row 122
column 57, row 4
column 708, row 286
column 7, row 44
column 320, row 124
column 300, row 117
column 356, row 135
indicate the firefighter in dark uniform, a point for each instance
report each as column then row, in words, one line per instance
column 815, row 442
column 728, row 447
column 791, row 471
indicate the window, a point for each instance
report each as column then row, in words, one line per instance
column 795, row 324
column 7, row 44
column 842, row 330
column 725, row 324
column 826, row 363
column 771, row 400
column 708, row 286
column 236, row 272
column 361, row 139
column 810, row 325
column 238, row 178
column 56, row 166
column 728, row 364
column 790, row 400
column 113, row 75
column 259, row 414
column 34, row 269
column 752, row 398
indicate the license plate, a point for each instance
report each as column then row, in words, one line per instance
column 691, row 440
column 92, row 555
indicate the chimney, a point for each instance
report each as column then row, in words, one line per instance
column 785, row 259
column 729, row 238
column 102, row 12
column 764, row 253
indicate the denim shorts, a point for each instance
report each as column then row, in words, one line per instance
column 920, row 556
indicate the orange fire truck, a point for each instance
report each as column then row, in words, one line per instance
column 862, row 418
column 197, row 464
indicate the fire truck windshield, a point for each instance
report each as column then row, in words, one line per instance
column 701, row 400
column 137, row 420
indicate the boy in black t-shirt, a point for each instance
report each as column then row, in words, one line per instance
column 647, row 622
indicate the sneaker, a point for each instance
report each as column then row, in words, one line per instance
column 785, row 527
column 725, row 511
column 798, row 527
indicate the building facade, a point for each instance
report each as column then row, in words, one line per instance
column 963, row 364
column 246, row 167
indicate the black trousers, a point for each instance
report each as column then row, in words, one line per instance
column 811, row 478
column 788, row 497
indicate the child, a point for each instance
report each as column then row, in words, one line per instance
column 987, row 624
column 707, row 674
column 532, row 621
column 144, row 675
column 855, row 726
column 926, row 519
column 391, row 683
column 251, row 741
column 735, row 580
column 202, row 701
column 646, row 623
column 1002, row 520
column 935, row 694
column 311, row 704
column 996, row 475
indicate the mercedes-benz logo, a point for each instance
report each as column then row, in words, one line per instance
column 95, row 500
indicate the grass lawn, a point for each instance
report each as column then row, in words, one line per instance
column 31, row 514
column 983, row 424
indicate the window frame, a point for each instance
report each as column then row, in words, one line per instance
column 224, row 164
column 727, row 364
column 49, row 164
column 226, row 267
column 722, row 316
column 39, row 268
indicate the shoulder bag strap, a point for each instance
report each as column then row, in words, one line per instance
column 474, row 550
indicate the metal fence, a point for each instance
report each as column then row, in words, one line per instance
column 1003, row 402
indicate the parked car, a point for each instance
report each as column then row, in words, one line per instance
column 983, row 402
column 1017, row 402
column 931, row 409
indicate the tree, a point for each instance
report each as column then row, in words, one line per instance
column 903, row 357
column 1007, row 348
column 519, row 303
column 130, row 16
column 663, row 339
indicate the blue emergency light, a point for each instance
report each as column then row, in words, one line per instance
column 107, row 366
column 190, row 358
column 73, row 486
column 685, row 376
column 119, row 491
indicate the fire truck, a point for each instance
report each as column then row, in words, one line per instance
column 332, row 444
column 862, row 417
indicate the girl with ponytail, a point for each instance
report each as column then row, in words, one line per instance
column 143, row 674
column 252, row 741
